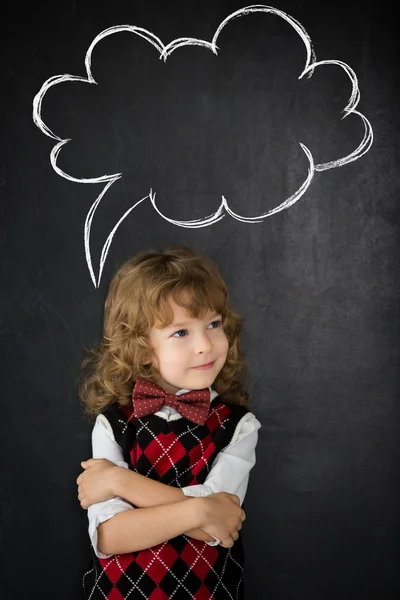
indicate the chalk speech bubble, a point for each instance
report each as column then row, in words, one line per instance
column 165, row 51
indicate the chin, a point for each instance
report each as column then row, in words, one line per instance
column 205, row 378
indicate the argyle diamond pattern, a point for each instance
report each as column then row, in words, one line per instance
column 178, row 453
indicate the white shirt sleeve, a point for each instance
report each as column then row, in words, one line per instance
column 231, row 468
column 229, row 473
column 105, row 446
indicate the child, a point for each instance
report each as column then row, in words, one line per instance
column 174, row 440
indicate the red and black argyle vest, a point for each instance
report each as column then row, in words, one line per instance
column 178, row 453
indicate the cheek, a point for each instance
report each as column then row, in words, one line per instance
column 172, row 352
column 225, row 344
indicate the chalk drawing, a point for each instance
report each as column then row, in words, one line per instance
column 165, row 51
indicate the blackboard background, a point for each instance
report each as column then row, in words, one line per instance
column 317, row 283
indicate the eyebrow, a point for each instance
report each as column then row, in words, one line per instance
column 174, row 325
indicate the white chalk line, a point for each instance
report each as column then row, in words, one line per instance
column 165, row 51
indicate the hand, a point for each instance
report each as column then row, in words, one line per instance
column 223, row 517
column 97, row 482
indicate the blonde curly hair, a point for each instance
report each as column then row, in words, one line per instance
column 138, row 299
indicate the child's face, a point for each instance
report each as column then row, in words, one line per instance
column 186, row 344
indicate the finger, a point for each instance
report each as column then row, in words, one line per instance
column 243, row 516
column 90, row 462
column 78, row 479
column 234, row 535
column 235, row 499
column 239, row 526
column 227, row 542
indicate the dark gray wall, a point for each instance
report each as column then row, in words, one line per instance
column 318, row 283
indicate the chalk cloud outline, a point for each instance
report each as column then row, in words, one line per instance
column 165, row 51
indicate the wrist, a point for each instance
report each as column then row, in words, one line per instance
column 198, row 507
column 119, row 480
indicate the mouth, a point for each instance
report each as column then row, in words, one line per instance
column 205, row 366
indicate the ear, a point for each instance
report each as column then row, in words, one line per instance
column 146, row 361
column 147, row 357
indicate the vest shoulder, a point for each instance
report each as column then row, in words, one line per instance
column 117, row 412
column 236, row 409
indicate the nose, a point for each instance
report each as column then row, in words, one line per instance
column 202, row 344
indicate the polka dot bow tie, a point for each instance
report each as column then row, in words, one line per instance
column 148, row 398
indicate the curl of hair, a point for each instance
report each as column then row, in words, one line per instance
column 137, row 299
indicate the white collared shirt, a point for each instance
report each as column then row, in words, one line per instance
column 229, row 472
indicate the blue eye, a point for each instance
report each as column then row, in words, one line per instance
column 218, row 322
column 179, row 332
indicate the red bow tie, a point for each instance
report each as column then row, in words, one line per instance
column 148, row 398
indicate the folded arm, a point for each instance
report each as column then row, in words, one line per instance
column 133, row 530
column 121, row 489
column 229, row 473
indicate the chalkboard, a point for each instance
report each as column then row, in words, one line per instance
column 268, row 139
